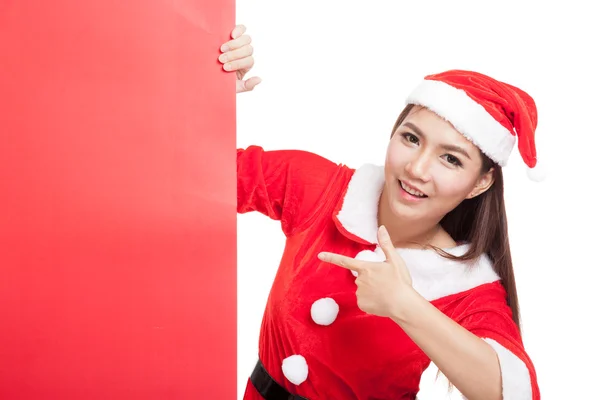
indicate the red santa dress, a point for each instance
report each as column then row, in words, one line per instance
column 315, row 342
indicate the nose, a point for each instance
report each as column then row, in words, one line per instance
column 420, row 167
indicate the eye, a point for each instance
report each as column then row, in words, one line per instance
column 410, row 138
column 453, row 160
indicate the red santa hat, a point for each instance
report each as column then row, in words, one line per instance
column 490, row 113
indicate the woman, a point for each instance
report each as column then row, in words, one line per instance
column 387, row 269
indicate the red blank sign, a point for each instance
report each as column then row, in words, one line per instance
column 117, row 206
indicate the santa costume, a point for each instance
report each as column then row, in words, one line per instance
column 315, row 343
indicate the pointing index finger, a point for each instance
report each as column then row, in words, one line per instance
column 342, row 261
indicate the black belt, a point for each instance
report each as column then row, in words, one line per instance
column 267, row 387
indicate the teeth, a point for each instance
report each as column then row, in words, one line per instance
column 411, row 191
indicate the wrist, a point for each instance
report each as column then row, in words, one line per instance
column 406, row 305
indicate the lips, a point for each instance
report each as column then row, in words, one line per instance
column 411, row 190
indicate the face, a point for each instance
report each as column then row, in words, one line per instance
column 430, row 168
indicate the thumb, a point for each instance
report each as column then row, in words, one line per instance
column 249, row 84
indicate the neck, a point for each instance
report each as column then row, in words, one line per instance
column 408, row 233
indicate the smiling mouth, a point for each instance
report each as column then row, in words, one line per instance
column 412, row 192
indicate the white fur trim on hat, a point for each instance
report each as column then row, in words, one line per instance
column 467, row 116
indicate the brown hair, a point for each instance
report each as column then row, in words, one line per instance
column 481, row 221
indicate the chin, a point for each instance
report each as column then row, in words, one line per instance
column 404, row 211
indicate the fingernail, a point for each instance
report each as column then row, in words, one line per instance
column 224, row 48
column 227, row 67
column 222, row 58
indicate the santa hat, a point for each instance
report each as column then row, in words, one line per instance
column 490, row 113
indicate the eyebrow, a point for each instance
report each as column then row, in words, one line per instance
column 448, row 147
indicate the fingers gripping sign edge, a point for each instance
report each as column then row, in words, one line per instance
column 238, row 31
column 238, row 39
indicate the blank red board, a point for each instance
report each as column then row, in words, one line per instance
column 117, row 206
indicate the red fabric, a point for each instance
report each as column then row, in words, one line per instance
column 285, row 185
column 507, row 104
column 485, row 313
column 359, row 356
column 116, row 129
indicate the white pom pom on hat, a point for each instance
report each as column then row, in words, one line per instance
column 537, row 173
column 490, row 113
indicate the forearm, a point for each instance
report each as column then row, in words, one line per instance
column 467, row 361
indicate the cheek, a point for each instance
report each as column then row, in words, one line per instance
column 452, row 187
column 395, row 156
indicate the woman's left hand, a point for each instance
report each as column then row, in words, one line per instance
column 237, row 55
column 382, row 287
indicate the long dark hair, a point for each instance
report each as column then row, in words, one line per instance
column 481, row 221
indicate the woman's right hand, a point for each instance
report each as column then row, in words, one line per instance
column 237, row 56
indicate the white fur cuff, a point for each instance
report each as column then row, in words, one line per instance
column 516, row 382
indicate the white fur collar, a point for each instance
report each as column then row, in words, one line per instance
column 358, row 214
column 433, row 275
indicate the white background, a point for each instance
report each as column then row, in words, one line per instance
column 335, row 74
